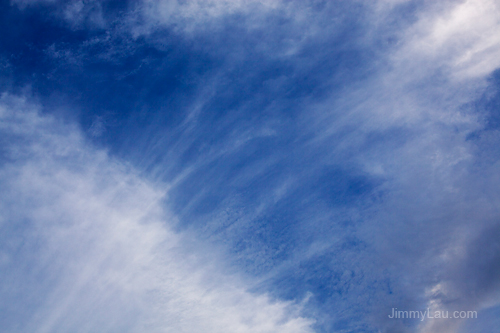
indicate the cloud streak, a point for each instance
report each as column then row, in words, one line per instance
column 87, row 246
column 340, row 153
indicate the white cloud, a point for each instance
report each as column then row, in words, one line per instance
column 433, row 209
column 75, row 12
column 87, row 246
column 409, row 124
column 191, row 15
column 462, row 37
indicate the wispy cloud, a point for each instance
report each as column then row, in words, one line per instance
column 86, row 246
column 335, row 152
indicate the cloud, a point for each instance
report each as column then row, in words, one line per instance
column 409, row 124
column 87, row 246
column 77, row 13
column 406, row 126
column 459, row 37
column 333, row 151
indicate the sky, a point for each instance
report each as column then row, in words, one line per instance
column 249, row 166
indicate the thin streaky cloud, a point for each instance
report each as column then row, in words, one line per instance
column 100, row 246
column 253, row 166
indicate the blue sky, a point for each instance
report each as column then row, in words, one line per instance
column 249, row 165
